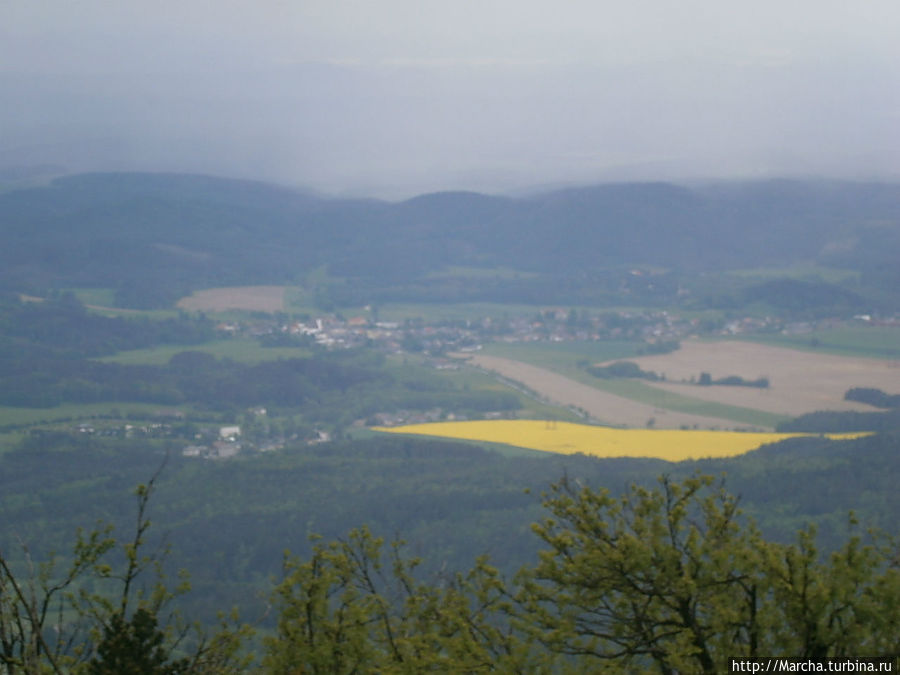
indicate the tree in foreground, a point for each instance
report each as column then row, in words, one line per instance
column 671, row 580
column 668, row 579
column 350, row 608
column 100, row 618
column 664, row 580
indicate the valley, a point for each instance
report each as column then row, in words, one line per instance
column 265, row 347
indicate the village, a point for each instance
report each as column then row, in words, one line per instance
column 251, row 431
column 660, row 329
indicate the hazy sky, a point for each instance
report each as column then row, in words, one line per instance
column 394, row 97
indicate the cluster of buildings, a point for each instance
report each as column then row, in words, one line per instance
column 547, row 324
column 554, row 324
column 230, row 442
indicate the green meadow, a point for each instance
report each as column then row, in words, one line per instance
column 876, row 342
column 246, row 351
column 11, row 416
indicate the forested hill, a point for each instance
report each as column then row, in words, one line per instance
column 155, row 237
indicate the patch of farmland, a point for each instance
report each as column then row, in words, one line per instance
column 799, row 381
column 565, row 438
column 251, row 298
column 600, row 405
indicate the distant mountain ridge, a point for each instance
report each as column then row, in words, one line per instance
column 172, row 233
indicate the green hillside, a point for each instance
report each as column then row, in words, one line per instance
column 154, row 237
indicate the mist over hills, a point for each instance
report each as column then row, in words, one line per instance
column 156, row 237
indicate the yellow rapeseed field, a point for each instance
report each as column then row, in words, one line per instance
column 566, row 438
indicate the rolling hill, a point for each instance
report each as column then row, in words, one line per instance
column 155, row 237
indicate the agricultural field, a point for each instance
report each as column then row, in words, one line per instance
column 251, row 298
column 616, row 409
column 532, row 407
column 563, row 357
column 567, row 438
column 799, row 381
column 298, row 300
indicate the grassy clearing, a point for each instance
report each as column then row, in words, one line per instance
column 243, row 351
column 467, row 378
column 801, row 272
column 12, row 416
column 877, row 342
column 103, row 297
column 299, row 300
column 563, row 357
column 531, row 406
column 10, row 439
column 268, row 299
column 153, row 314
column 566, row 438
column 644, row 393
column 453, row 271
column 101, row 301
column 450, row 312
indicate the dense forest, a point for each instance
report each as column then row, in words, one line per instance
column 61, row 327
column 825, row 421
column 354, row 601
column 229, row 522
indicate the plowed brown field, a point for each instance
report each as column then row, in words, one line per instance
column 799, row 382
column 251, row 298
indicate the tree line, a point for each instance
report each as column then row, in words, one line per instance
column 830, row 421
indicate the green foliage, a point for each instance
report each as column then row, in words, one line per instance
column 229, row 522
column 622, row 369
column 706, row 380
column 100, row 619
column 804, row 299
column 872, row 396
column 847, row 605
column 670, row 580
column 664, row 580
column 333, row 388
column 660, row 579
column 827, row 421
column 29, row 603
column 348, row 609
column 61, row 327
column 134, row 647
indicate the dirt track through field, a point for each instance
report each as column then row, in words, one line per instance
column 611, row 409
